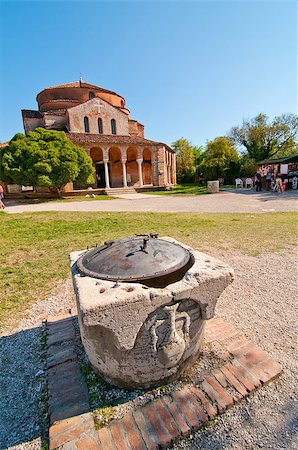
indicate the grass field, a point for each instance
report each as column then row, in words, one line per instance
column 35, row 246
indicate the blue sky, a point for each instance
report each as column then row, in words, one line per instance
column 186, row 68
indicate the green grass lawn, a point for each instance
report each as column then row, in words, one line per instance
column 35, row 246
column 185, row 189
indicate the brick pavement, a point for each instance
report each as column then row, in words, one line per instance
column 160, row 422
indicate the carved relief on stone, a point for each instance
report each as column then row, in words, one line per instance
column 171, row 328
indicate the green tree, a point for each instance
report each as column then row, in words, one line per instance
column 263, row 139
column 248, row 166
column 185, row 159
column 44, row 158
column 220, row 160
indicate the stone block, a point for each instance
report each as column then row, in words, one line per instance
column 213, row 187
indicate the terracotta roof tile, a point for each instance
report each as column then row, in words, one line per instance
column 79, row 84
column 55, row 112
column 111, row 139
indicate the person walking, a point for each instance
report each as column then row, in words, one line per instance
column 258, row 181
column 2, row 206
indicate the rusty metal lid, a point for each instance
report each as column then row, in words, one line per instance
column 134, row 259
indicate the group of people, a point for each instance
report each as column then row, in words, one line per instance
column 2, row 206
column 272, row 180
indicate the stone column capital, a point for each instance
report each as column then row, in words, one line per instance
column 139, row 152
column 123, row 150
column 139, row 160
column 105, row 152
column 123, row 160
column 105, row 160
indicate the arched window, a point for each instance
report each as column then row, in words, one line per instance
column 86, row 124
column 91, row 94
column 99, row 125
column 113, row 126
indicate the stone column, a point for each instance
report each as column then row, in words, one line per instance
column 107, row 177
column 139, row 161
column 124, row 172
column 105, row 158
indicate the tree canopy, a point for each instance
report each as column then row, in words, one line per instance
column 185, row 159
column 263, row 139
column 44, row 158
column 220, row 159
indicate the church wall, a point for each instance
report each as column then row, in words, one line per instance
column 54, row 122
column 94, row 109
column 135, row 128
column 116, row 174
column 30, row 123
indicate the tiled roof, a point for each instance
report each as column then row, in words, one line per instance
column 79, row 84
column 55, row 112
column 111, row 139
column 69, row 100
column 285, row 159
column 31, row 113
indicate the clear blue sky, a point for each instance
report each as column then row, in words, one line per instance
column 191, row 69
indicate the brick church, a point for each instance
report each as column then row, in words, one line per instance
column 98, row 120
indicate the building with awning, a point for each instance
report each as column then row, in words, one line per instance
column 285, row 167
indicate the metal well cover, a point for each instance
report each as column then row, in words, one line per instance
column 134, row 259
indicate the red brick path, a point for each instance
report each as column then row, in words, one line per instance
column 161, row 422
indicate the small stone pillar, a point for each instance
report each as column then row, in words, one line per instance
column 213, row 187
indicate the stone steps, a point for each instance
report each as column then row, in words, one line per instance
column 120, row 191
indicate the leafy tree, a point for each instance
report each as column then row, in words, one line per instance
column 248, row 166
column 44, row 158
column 185, row 159
column 220, row 160
column 263, row 139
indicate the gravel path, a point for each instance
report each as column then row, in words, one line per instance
column 227, row 201
column 261, row 303
column 23, row 419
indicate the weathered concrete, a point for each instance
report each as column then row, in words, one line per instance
column 139, row 336
column 213, row 187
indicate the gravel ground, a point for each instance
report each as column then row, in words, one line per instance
column 261, row 303
column 23, row 420
column 240, row 200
